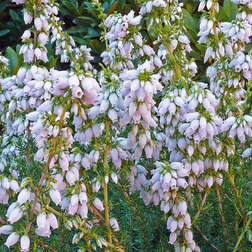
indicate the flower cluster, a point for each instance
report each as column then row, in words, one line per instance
column 142, row 118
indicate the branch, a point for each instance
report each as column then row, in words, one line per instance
column 202, row 204
column 204, row 237
column 222, row 214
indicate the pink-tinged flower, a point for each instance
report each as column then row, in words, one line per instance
column 83, row 197
column 190, row 150
column 14, row 186
column 247, row 153
column 45, row 107
column 182, row 182
column 72, row 209
column 26, row 34
column 208, row 53
column 136, row 20
column 27, row 17
column 113, row 98
column 74, row 81
column 173, row 238
column 201, row 5
column 189, row 236
column 5, row 183
column 41, row 219
column 114, row 224
column 64, row 162
column 139, row 40
column 53, row 221
column 44, row 56
column 23, row 196
column 167, row 178
column 112, row 114
column 6, row 229
column 98, row 204
column 24, row 243
column 55, row 196
column 77, row 92
column 188, row 249
column 182, row 207
column 12, row 239
column 38, row 53
column 74, row 199
column 83, row 210
column 187, row 220
column 15, row 215
column 195, row 167
column 38, row 23
column 70, row 177
column 44, row 231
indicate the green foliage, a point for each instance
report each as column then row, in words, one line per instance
column 11, row 24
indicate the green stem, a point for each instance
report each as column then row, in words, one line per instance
column 54, row 211
column 109, row 244
column 177, row 69
column 231, row 180
column 242, row 234
column 67, row 47
column 47, row 167
column 222, row 215
column 105, row 184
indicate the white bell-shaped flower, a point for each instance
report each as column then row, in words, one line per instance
column 53, row 222
column 12, row 239
column 25, row 243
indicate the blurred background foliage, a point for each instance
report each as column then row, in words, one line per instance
column 81, row 20
column 142, row 227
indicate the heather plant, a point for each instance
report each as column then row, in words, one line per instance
column 83, row 147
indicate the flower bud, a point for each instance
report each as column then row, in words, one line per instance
column 41, row 218
column 98, row 204
column 114, row 224
column 83, row 210
column 6, row 229
column 173, row 238
column 24, row 243
column 23, row 196
column 27, row 17
column 55, row 196
column 53, row 221
column 15, row 215
column 12, row 239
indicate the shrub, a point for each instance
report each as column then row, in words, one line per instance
column 139, row 153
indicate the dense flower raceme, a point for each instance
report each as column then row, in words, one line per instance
column 78, row 124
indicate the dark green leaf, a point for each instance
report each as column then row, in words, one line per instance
column 3, row 5
column 189, row 21
column 87, row 18
column 80, row 40
column 18, row 46
column 231, row 9
column 12, row 56
column 96, row 45
column 222, row 16
column 202, row 48
column 92, row 33
column 79, row 28
column 15, row 16
column 64, row 11
column 112, row 8
column 3, row 32
column 52, row 62
column 105, row 6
